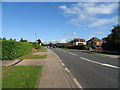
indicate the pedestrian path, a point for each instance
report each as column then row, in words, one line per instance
column 53, row 75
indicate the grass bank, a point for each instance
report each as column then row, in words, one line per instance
column 102, row 53
column 20, row 76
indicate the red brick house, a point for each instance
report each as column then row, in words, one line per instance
column 94, row 41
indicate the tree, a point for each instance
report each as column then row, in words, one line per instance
column 0, row 38
column 23, row 40
column 50, row 44
column 11, row 39
column 4, row 38
column 39, row 41
column 112, row 41
column 14, row 39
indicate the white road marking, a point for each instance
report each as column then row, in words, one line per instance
column 77, row 83
column 72, row 54
column 63, row 64
column 64, row 51
column 108, row 65
column 57, row 56
column 67, row 70
column 60, row 60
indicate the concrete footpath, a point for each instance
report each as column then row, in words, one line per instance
column 53, row 74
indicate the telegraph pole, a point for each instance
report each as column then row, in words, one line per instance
column 36, row 36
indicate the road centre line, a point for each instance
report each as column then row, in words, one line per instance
column 73, row 54
column 103, row 64
column 64, row 51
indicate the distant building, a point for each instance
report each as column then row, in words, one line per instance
column 71, row 42
column 94, row 41
column 61, row 43
column 78, row 41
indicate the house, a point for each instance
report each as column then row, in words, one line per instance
column 94, row 42
column 78, row 41
column 71, row 42
column 61, row 44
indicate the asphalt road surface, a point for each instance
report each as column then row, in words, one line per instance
column 90, row 70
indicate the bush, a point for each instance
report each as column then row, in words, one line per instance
column 14, row 49
column 80, row 47
column 86, row 47
column 35, row 45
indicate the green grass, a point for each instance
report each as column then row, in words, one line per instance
column 100, row 53
column 20, row 76
column 29, row 56
column 94, row 52
column 41, row 50
column 38, row 56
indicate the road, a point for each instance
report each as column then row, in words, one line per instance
column 90, row 70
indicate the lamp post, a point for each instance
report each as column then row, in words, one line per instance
column 36, row 36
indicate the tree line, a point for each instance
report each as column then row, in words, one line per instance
column 112, row 41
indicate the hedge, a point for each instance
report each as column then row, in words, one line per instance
column 80, row 47
column 14, row 49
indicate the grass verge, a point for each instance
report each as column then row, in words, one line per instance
column 94, row 52
column 41, row 50
column 29, row 56
column 20, row 76
column 102, row 53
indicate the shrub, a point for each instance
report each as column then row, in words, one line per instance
column 80, row 47
column 14, row 49
column 35, row 45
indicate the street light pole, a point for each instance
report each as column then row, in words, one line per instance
column 36, row 36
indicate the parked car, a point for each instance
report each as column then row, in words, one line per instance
column 93, row 47
column 54, row 46
column 51, row 47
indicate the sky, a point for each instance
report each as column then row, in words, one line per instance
column 58, row 21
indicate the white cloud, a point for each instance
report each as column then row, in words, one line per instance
column 53, row 40
column 101, row 22
column 70, row 36
column 63, row 41
column 56, row 41
column 87, row 13
column 97, row 33
column 74, row 33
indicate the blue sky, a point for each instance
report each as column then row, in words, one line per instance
column 57, row 22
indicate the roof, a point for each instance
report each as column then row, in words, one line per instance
column 79, row 40
column 94, row 39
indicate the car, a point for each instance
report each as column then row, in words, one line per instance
column 54, row 46
column 51, row 47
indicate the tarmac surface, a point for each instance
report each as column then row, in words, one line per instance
column 90, row 70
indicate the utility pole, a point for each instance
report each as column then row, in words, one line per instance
column 36, row 36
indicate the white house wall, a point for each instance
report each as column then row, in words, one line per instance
column 76, row 43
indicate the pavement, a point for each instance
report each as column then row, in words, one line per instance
column 90, row 70
column 53, row 74
column 9, row 62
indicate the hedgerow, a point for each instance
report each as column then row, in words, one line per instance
column 13, row 49
column 80, row 47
